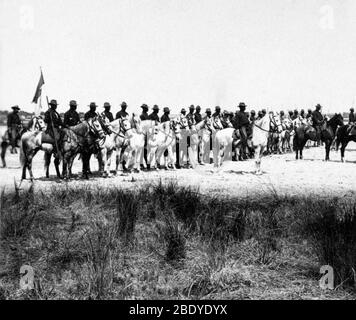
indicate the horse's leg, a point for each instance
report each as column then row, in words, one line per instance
column 47, row 162
column 70, row 164
column 342, row 150
column 258, row 153
column 327, row 150
column 56, row 165
column 4, row 146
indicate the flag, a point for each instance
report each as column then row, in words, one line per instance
column 38, row 89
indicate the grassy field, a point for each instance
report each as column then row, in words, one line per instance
column 166, row 241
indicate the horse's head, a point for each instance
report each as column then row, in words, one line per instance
column 175, row 127
column 135, row 123
column 38, row 124
column 96, row 128
column 105, row 124
column 217, row 123
column 125, row 125
column 339, row 119
column 209, row 125
column 183, row 122
column 276, row 124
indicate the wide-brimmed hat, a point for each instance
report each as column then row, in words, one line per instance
column 183, row 110
column 53, row 102
column 217, row 108
column 15, row 108
column 242, row 105
column 123, row 104
column 198, row 108
column 93, row 105
column 144, row 106
column 296, row 111
column 107, row 105
column 191, row 107
column 166, row 109
column 352, row 110
column 73, row 103
column 318, row 106
column 253, row 112
column 208, row 110
column 155, row 107
column 264, row 111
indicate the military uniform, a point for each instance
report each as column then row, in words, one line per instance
column 144, row 116
column 13, row 124
column 198, row 117
column 121, row 114
column 154, row 116
column 71, row 118
column 90, row 114
column 165, row 117
column 108, row 115
column 191, row 120
column 352, row 118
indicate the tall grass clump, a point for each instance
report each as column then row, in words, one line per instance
column 331, row 227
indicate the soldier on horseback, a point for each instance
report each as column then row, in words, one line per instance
column 197, row 115
column 144, row 115
column 14, row 125
column 318, row 120
column 71, row 117
column 242, row 124
column 154, row 115
column 106, row 113
column 122, row 113
column 92, row 112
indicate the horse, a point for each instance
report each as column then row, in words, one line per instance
column 222, row 139
column 116, row 141
column 75, row 139
column 327, row 134
column 35, row 124
column 205, row 133
column 345, row 134
column 261, row 129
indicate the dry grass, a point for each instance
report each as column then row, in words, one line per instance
column 165, row 241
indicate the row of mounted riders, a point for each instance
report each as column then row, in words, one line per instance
column 97, row 136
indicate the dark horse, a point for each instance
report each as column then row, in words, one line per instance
column 344, row 135
column 74, row 140
column 327, row 134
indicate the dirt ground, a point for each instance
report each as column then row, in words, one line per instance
column 280, row 172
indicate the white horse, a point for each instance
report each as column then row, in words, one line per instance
column 115, row 141
column 163, row 137
column 222, row 140
column 35, row 124
column 261, row 130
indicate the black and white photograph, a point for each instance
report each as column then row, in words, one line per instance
column 195, row 151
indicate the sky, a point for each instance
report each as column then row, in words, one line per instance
column 275, row 54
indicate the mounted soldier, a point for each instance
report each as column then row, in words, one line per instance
column 302, row 114
column 217, row 113
column 190, row 117
column 154, row 115
column 197, row 115
column 295, row 115
column 92, row 112
column 106, row 114
column 242, row 124
column 144, row 115
column 264, row 112
column 207, row 114
column 252, row 115
column 290, row 114
column 165, row 116
column 318, row 120
column 14, row 125
column 53, row 133
column 122, row 113
column 71, row 117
